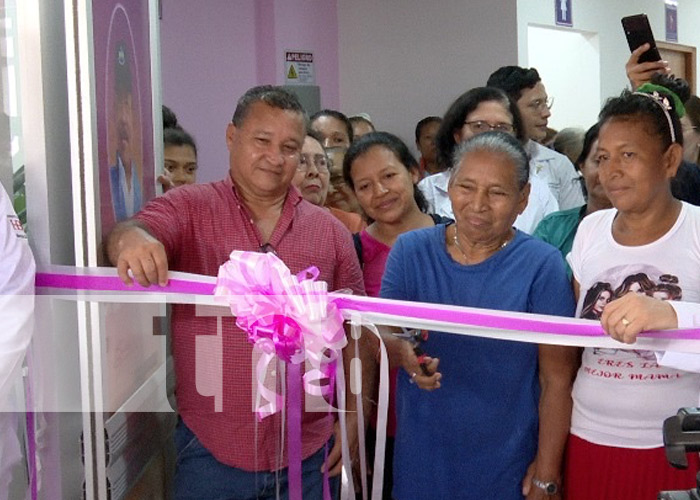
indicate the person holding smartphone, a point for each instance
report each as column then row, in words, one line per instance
column 686, row 184
column 640, row 73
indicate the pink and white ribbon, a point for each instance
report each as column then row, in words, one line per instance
column 103, row 284
column 295, row 319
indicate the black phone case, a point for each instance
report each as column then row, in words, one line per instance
column 638, row 32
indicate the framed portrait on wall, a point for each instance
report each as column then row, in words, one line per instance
column 124, row 105
column 127, row 150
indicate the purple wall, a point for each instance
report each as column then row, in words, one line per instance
column 312, row 25
column 210, row 56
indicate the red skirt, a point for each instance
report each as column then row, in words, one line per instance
column 596, row 472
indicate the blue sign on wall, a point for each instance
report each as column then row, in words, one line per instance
column 562, row 13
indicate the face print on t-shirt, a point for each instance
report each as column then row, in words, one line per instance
column 622, row 280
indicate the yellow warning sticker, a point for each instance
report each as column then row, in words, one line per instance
column 299, row 67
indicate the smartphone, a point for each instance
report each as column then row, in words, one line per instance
column 638, row 32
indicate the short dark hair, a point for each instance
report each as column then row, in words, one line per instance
column 338, row 116
column 676, row 85
column 424, row 122
column 513, row 80
column 274, row 96
column 647, row 109
column 692, row 110
column 178, row 137
column 393, row 144
column 169, row 118
column 458, row 112
column 588, row 141
column 500, row 143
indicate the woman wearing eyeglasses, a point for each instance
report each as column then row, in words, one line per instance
column 480, row 110
column 312, row 180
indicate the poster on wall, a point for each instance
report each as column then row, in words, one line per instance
column 124, row 99
column 671, row 21
column 123, row 92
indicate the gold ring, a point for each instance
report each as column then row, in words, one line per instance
column 625, row 321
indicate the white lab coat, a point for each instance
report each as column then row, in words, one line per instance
column 17, row 270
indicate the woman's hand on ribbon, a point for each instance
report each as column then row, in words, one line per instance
column 625, row 318
column 132, row 248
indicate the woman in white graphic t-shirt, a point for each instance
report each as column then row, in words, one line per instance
column 646, row 248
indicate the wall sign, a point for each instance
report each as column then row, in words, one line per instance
column 299, row 67
column 562, row 13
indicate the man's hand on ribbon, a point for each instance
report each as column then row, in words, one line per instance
column 623, row 319
column 132, row 249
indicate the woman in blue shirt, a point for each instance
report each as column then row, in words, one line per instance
column 490, row 418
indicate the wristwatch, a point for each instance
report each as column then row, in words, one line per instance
column 550, row 487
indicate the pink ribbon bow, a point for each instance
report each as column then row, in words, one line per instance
column 284, row 315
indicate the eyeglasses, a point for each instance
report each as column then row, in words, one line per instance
column 541, row 104
column 480, row 126
column 319, row 161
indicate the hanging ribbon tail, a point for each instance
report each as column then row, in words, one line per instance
column 382, row 416
column 356, row 386
column 294, row 389
column 348, row 487
column 267, row 400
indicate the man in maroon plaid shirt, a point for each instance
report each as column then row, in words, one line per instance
column 223, row 451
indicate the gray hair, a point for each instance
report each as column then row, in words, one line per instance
column 569, row 142
column 494, row 142
column 277, row 97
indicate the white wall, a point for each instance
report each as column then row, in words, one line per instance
column 401, row 60
column 543, row 43
column 603, row 17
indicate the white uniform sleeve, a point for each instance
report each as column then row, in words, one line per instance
column 570, row 192
column 688, row 314
column 16, row 295
column 427, row 189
